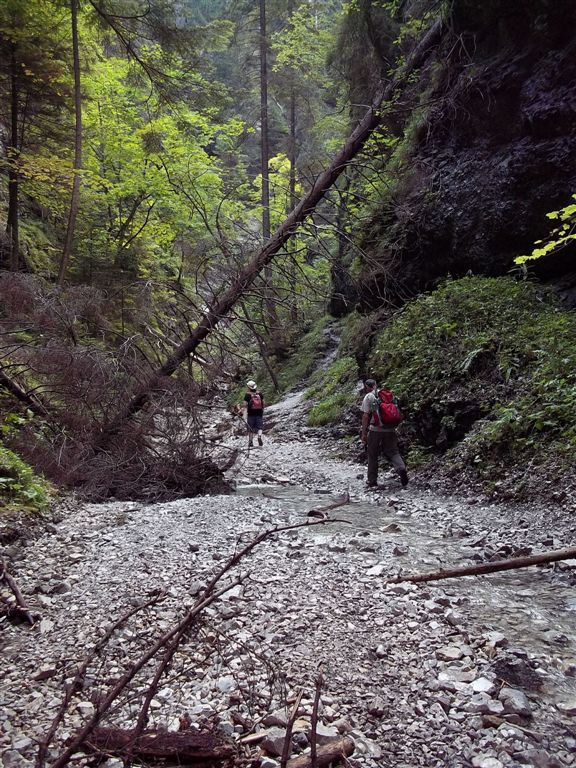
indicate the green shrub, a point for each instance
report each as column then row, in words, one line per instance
column 504, row 344
column 334, row 390
column 20, row 488
column 328, row 411
column 303, row 359
column 291, row 371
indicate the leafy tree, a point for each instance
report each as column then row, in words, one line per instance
column 561, row 236
column 34, row 89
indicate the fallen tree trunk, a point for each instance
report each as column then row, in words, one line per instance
column 182, row 747
column 335, row 752
column 305, row 207
column 31, row 402
column 497, row 565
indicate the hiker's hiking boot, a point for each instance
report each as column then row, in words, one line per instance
column 403, row 478
column 260, row 442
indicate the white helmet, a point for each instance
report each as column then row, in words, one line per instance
column 251, row 384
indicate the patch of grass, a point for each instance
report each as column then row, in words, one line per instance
column 334, row 391
column 303, row 359
column 329, row 411
column 505, row 345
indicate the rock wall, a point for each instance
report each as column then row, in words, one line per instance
column 490, row 150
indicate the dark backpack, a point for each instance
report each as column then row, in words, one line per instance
column 255, row 401
column 387, row 413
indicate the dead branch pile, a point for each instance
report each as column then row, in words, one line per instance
column 63, row 361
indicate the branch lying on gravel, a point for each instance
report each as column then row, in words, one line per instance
column 78, row 681
column 314, row 721
column 335, row 752
column 169, row 642
column 187, row 747
column 498, row 565
column 20, row 602
column 289, row 728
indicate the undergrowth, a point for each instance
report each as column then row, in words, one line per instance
column 506, row 346
column 21, row 489
column 333, row 389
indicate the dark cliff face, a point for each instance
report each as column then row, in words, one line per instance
column 494, row 151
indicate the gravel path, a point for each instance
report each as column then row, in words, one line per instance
column 410, row 672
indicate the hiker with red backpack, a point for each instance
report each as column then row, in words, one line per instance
column 380, row 417
column 254, row 406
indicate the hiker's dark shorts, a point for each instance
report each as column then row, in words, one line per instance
column 255, row 423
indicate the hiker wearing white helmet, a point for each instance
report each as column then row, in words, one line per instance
column 254, row 406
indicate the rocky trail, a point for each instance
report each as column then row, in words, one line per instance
column 478, row 672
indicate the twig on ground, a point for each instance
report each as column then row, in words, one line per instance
column 498, row 565
column 314, row 723
column 289, row 726
column 170, row 642
column 20, row 602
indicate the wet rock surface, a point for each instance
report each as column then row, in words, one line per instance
column 428, row 675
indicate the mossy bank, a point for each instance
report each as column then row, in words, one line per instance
column 485, row 369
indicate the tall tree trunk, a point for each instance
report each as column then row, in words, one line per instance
column 270, row 304
column 246, row 277
column 292, row 189
column 13, row 152
column 264, row 133
column 75, row 199
column 343, row 293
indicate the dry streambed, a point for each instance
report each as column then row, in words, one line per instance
column 435, row 675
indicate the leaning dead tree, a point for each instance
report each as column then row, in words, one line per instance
column 306, row 206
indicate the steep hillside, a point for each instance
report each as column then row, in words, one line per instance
column 487, row 150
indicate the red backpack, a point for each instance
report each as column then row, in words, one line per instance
column 387, row 413
column 255, row 401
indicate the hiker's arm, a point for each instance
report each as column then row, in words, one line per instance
column 365, row 425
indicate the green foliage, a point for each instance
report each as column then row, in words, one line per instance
column 357, row 333
column 303, row 359
column 334, row 391
column 503, row 344
column 290, row 372
column 328, row 411
column 562, row 235
column 20, row 488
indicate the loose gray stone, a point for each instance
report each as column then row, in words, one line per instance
column 226, row 684
column 483, row 685
column 267, row 762
column 515, row 702
column 567, row 705
column 450, row 653
column 482, row 761
column 278, row 718
column 482, row 704
column 13, row 759
column 376, row 707
column 274, row 741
